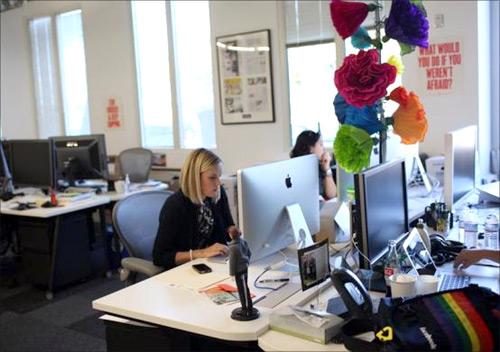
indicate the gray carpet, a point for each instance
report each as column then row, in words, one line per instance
column 29, row 322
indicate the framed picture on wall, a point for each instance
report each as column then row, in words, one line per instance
column 245, row 78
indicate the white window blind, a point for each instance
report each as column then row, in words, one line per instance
column 153, row 75
column 73, row 72
column 45, row 78
column 193, row 63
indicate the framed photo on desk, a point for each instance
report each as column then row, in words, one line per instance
column 245, row 78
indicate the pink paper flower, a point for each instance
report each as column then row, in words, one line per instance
column 347, row 16
column 361, row 80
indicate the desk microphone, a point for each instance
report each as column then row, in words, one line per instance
column 239, row 257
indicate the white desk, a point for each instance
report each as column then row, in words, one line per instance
column 135, row 188
column 55, row 241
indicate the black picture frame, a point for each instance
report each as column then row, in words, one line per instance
column 244, row 65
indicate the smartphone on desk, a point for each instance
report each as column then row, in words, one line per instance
column 202, row 268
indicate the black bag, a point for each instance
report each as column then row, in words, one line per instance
column 466, row 319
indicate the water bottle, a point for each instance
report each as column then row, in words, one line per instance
column 470, row 222
column 392, row 265
column 424, row 235
column 127, row 183
column 491, row 232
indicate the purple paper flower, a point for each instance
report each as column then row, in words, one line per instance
column 407, row 24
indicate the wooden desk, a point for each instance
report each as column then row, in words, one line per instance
column 55, row 241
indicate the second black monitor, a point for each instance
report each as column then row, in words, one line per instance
column 381, row 209
column 80, row 157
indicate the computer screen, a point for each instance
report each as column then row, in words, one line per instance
column 4, row 159
column 32, row 163
column 381, row 209
column 459, row 164
column 80, row 157
column 265, row 191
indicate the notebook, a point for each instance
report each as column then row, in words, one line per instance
column 422, row 263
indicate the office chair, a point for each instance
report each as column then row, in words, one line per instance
column 135, row 220
column 136, row 162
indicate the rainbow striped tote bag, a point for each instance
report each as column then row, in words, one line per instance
column 466, row 319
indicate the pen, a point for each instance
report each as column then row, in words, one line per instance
column 274, row 280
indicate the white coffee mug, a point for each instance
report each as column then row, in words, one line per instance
column 427, row 284
column 403, row 285
column 120, row 186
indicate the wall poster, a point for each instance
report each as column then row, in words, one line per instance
column 245, row 78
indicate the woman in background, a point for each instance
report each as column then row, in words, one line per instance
column 310, row 142
column 195, row 222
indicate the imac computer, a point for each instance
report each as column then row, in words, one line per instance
column 381, row 210
column 459, row 164
column 32, row 163
column 264, row 194
column 80, row 158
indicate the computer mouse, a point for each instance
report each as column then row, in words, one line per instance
column 48, row 204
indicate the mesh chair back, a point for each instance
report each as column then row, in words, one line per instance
column 136, row 162
column 136, row 220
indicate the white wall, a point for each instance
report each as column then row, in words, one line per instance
column 111, row 72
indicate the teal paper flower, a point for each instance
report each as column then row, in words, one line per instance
column 361, row 39
column 352, row 148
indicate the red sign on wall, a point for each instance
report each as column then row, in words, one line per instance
column 113, row 114
column 441, row 66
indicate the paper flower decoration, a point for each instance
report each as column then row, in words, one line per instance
column 407, row 24
column 396, row 62
column 364, row 118
column 347, row 16
column 352, row 148
column 361, row 39
column 409, row 120
column 361, row 80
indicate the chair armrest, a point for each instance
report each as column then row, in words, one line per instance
column 141, row 266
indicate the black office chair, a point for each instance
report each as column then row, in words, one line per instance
column 136, row 220
column 136, row 163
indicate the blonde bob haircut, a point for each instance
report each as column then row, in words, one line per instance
column 197, row 162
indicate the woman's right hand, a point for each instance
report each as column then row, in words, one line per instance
column 213, row 250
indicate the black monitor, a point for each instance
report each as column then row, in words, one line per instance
column 80, row 157
column 381, row 209
column 32, row 162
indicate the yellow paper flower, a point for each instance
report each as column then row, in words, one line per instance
column 410, row 121
column 396, row 62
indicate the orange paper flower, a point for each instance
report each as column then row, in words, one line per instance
column 410, row 122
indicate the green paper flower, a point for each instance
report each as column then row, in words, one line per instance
column 352, row 148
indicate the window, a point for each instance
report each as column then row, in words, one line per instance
column 174, row 64
column 311, row 66
column 310, row 75
column 63, row 80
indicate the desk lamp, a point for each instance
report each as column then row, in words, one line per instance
column 239, row 257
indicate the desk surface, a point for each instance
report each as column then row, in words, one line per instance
column 5, row 207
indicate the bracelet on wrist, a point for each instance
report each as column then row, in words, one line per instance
column 191, row 255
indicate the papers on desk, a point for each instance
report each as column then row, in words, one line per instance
column 74, row 196
column 222, row 293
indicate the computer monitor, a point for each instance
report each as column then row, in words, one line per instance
column 80, row 157
column 381, row 209
column 32, row 163
column 459, row 164
column 265, row 191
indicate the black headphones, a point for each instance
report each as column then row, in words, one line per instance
column 443, row 250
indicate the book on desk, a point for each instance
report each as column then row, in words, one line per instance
column 74, row 196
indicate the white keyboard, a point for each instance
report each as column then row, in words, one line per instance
column 274, row 298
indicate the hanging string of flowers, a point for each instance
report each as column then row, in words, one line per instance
column 362, row 80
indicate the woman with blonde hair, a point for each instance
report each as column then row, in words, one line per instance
column 195, row 222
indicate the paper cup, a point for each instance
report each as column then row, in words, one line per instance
column 120, row 186
column 403, row 285
column 427, row 284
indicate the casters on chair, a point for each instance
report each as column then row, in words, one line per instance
column 49, row 295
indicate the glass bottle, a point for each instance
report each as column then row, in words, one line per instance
column 392, row 265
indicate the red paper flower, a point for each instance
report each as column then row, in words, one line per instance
column 347, row 16
column 410, row 122
column 361, row 80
